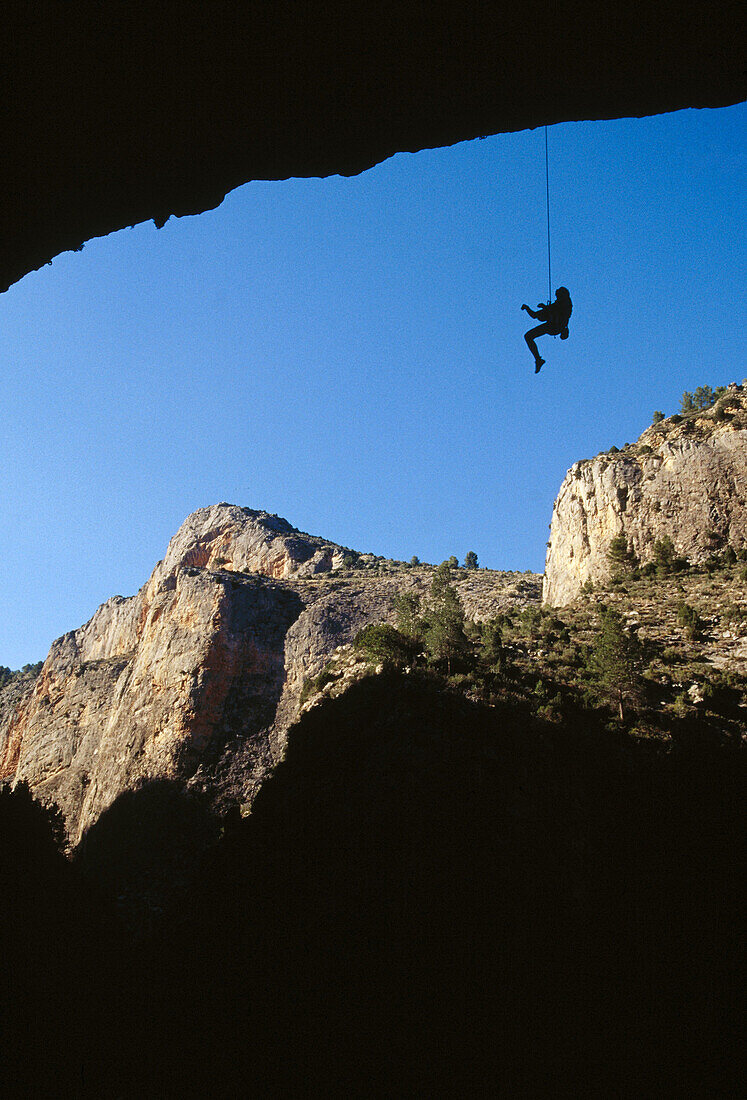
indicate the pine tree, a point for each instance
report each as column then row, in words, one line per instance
column 615, row 659
column 703, row 397
column 445, row 639
column 665, row 556
column 491, row 644
column 621, row 557
column 409, row 622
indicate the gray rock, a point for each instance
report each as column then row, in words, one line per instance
column 197, row 678
column 686, row 478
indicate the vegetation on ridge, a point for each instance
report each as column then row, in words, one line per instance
column 7, row 675
column 655, row 653
column 700, row 400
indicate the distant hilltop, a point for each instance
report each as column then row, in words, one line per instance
column 684, row 480
column 197, row 677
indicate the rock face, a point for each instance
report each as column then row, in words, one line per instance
column 197, row 677
column 12, row 697
column 245, row 541
column 686, row 477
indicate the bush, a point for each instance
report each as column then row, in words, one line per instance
column 529, row 622
column 621, row 557
column 570, row 656
column 382, row 644
column 689, row 618
column 491, row 644
column 551, row 711
column 553, row 629
column 722, row 692
column 8, row 674
column 681, row 705
column 658, row 417
column 666, row 559
column 735, row 617
column 313, row 684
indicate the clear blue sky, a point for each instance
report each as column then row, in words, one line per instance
column 348, row 353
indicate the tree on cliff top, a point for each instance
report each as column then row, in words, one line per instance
column 702, row 398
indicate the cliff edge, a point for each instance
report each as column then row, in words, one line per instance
column 197, row 678
column 686, row 478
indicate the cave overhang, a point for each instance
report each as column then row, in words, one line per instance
column 122, row 112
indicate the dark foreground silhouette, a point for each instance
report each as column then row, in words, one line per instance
column 554, row 316
column 430, row 897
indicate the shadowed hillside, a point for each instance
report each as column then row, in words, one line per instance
column 431, row 895
column 379, row 829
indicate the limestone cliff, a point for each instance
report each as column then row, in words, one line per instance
column 686, row 477
column 12, row 695
column 197, row 677
column 245, row 541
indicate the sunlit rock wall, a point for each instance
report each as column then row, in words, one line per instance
column 685, row 477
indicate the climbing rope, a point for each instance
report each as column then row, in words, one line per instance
column 547, row 189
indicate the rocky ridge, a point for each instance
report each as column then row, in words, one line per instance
column 198, row 676
column 685, row 477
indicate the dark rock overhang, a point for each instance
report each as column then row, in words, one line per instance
column 117, row 112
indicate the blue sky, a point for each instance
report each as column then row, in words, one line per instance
column 348, row 353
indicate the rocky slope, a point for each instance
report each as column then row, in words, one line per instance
column 686, row 477
column 12, row 695
column 198, row 676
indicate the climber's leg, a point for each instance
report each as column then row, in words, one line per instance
column 530, row 337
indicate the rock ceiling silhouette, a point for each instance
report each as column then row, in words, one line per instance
column 119, row 112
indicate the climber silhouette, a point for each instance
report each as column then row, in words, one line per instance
column 555, row 317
